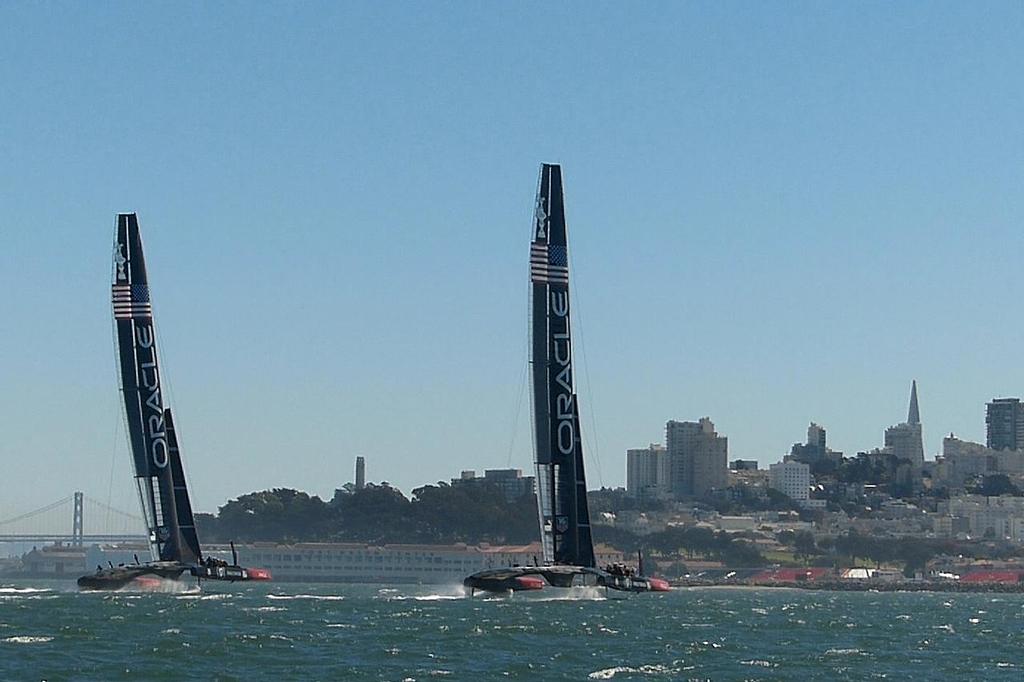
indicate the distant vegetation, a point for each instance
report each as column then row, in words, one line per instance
column 478, row 513
column 442, row 514
column 376, row 514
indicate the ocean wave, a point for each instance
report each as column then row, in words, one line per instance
column 27, row 597
column 760, row 663
column 26, row 639
column 652, row 670
column 425, row 597
column 311, row 597
column 23, row 590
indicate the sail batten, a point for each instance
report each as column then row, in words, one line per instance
column 558, row 450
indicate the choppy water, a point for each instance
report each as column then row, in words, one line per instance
column 330, row 632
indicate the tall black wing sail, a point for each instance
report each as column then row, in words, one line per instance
column 187, row 538
column 142, row 391
column 561, row 484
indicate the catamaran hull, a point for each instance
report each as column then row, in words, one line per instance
column 122, row 576
column 503, row 580
column 142, row 575
column 229, row 573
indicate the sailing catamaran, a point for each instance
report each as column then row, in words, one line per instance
column 566, row 541
column 159, row 474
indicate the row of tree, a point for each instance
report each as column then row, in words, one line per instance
column 478, row 512
column 376, row 514
column 910, row 553
column 442, row 513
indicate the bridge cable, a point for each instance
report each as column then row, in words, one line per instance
column 37, row 512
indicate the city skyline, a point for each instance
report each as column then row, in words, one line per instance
column 775, row 220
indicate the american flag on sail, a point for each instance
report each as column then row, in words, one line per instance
column 549, row 263
column 131, row 300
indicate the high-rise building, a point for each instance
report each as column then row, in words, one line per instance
column 816, row 435
column 791, row 478
column 815, row 450
column 647, row 472
column 904, row 440
column 1004, row 420
column 698, row 458
column 914, row 414
column 510, row 482
column 360, row 473
column 743, row 465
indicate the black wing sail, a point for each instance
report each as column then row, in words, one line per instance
column 561, row 484
column 142, row 391
column 188, row 540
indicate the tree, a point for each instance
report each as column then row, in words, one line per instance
column 803, row 545
column 995, row 485
column 278, row 514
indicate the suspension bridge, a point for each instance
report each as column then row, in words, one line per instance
column 76, row 519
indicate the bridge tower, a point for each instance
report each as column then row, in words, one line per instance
column 76, row 527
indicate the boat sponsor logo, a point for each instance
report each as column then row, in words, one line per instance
column 154, row 430
column 542, row 218
column 561, row 352
column 131, row 301
column 119, row 261
column 561, row 523
column 549, row 263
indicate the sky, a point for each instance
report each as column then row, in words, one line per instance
column 779, row 212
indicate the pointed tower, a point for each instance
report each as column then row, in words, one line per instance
column 904, row 440
column 914, row 416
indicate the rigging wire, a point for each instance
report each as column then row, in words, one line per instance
column 118, row 422
column 113, row 463
column 524, row 363
column 578, row 313
column 168, row 394
column 119, row 397
column 518, row 411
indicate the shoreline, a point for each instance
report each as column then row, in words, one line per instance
column 949, row 586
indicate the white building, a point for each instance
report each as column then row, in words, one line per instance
column 698, row 458
column 647, row 472
column 360, row 563
column 791, row 478
column 353, row 562
column 995, row 517
column 963, row 460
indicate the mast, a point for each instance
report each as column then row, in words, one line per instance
column 558, row 450
column 142, row 391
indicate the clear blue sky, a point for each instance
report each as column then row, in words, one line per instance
column 780, row 212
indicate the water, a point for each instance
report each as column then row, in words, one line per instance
column 354, row 632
